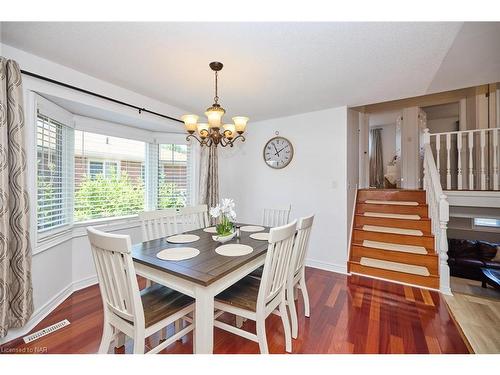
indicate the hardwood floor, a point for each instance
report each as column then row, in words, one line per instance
column 479, row 319
column 348, row 315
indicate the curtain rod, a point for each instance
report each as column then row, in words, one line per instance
column 97, row 95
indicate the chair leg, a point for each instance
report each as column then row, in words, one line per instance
column 107, row 336
column 148, row 283
column 293, row 312
column 261, row 335
column 286, row 327
column 239, row 321
column 305, row 295
column 119, row 339
column 178, row 327
column 139, row 342
column 163, row 334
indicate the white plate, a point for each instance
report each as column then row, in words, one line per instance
column 178, row 253
column 210, row 230
column 262, row 236
column 234, row 250
column 252, row 228
column 183, row 238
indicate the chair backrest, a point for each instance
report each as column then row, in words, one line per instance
column 276, row 217
column 158, row 224
column 116, row 275
column 301, row 244
column 277, row 263
column 193, row 217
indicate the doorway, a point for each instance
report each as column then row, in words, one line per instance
column 382, row 144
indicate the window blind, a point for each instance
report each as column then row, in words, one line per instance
column 109, row 176
column 174, row 176
column 53, row 170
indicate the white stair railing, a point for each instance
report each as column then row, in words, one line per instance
column 439, row 212
column 474, row 151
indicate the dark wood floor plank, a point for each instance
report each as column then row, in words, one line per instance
column 348, row 315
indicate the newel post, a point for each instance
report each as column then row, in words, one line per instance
column 427, row 137
column 444, row 269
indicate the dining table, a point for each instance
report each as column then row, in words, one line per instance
column 201, row 277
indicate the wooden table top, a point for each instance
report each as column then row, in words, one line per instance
column 206, row 267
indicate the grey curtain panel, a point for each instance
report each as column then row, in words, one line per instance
column 209, row 176
column 16, row 292
column 376, row 162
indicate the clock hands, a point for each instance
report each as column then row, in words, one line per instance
column 275, row 149
column 278, row 152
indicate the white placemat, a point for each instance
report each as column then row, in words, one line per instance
column 233, row 250
column 262, row 236
column 178, row 253
column 183, row 238
column 210, row 230
column 252, row 228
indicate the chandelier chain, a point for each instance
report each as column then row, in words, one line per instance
column 216, row 97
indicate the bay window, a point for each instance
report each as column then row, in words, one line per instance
column 53, row 186
column 85, row 175
column 174, row 166
column 108, row 181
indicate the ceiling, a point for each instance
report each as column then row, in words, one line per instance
column 270, row 69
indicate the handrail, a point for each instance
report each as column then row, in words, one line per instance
column 464, row 131
column 439, row 213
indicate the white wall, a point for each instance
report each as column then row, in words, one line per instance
column 314, row 182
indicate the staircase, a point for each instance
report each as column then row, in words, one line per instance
column 392, row 238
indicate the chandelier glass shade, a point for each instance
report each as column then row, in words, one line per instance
column 214, row 132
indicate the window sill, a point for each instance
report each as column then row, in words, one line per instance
column 79, row 230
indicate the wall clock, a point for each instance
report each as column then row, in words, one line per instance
column 278, row 152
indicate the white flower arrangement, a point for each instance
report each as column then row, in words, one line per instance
column 226, row 214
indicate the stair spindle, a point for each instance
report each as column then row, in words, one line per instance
column 438, row 150
column 483, row 169
column 448, row 163
column 495, row 159
column 459, row 153
column 471, row 161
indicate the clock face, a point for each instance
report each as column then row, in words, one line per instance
column 278, row 152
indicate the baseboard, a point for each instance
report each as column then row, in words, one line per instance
column 48, row 307
column 83, row 283
column 332, row 267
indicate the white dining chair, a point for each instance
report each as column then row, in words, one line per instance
column 255, row 299
column 296, row 275
column 276, row 217
column 137, row 314
column 159, row 223
column 193, row 217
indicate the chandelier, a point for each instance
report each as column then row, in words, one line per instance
column 214, row 132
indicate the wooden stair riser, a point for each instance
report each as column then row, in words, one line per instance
column 422, row 225
column 426, row 241
column 392, row 209
column 402, row 277
column 392, row 195
column 430, row 261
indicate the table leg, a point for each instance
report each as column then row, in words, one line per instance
column 204, row 321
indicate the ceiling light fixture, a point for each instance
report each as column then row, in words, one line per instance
column 209, row 133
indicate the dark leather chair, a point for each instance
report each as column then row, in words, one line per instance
column 467, row 257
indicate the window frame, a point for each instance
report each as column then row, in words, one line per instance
column 50, row 110
column 495, row 227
